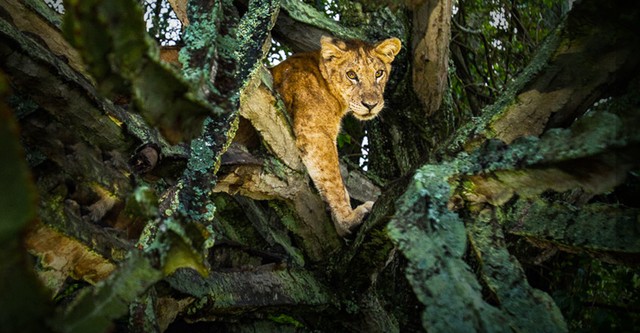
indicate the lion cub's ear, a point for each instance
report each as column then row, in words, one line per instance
column 388, row 48
column 331, row 48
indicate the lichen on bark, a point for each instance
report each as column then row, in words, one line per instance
column 124, row 61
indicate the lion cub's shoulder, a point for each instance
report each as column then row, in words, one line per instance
column 299, row 75
column 299, row 63
column 298, row 69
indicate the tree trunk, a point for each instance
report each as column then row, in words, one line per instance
column 151, row 218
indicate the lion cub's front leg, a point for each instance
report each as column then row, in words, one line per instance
column 320, row 156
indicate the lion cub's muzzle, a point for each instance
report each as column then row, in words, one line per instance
column 366, row 108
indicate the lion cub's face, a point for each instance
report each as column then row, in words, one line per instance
column 358, row 72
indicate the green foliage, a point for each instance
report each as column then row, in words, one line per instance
column 491, row 42
column 277, row 54
column 343, row 139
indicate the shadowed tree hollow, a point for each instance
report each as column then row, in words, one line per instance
column 151, row 180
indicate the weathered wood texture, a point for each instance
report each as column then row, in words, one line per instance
column 430, row 51
column 469, row 199
column 251, row 220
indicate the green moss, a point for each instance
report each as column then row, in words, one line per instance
column 433, row 238
column 199, row 38
column 201, row 157
column 527, row 308
column 233, row 223
column 307, row 14
column 378, row 247
column 596, row 227
column 45, row 11
column 434, row 241
column 286, row 319
column 285, row 215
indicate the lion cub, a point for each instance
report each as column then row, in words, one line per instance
column 319, row 88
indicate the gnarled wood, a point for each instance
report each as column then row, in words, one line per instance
column 430, row 47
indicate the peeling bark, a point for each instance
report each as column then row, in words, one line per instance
column 576, row 66
column 260, row 251
column 430, row 48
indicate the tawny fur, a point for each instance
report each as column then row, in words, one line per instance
column 319, row 88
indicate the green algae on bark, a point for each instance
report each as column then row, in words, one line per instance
column 433, row 238
column 309, row 15
column 222, row 52
column 527, row 308
column 595, row 228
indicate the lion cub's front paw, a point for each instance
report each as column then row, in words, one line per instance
column 346, row 224
column 365, row 207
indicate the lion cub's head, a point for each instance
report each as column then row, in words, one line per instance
column 358, row 72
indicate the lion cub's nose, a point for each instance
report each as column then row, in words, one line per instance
column 369, row 106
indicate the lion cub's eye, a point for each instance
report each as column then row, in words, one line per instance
column 379, row 73
column 352, row 75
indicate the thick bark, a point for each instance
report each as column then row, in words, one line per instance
column 268, row 286
column 592, row 156
column 270, row 249
column 301, row 27
column 429, row 232
column 430, row 51
column 605, row 232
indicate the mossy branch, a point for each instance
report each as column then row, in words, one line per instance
column 606, row 232
column 124, row 61
column 269, row 286
column 574, row 67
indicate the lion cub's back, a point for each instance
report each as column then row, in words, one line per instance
column 298, row 78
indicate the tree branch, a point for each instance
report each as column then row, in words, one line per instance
column 430, row 47
column 606, row 232
column 269, row 286
column 538, row 100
